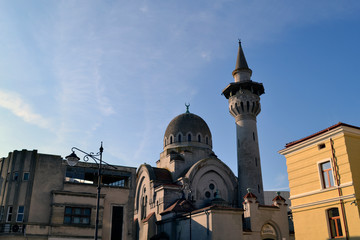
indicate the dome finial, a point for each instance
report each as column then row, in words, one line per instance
column 187, row 107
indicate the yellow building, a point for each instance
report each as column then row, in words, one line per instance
column 324, row 180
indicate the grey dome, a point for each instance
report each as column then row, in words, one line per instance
column 184, row 124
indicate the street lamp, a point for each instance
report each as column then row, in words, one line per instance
column 72, row 160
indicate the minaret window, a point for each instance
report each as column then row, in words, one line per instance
column 258, row 188
column 253, row 136
column 255, row 161
column 247, row 106
column 199, row 138
column 170, row 139
column 189, row 137
column 179, row 138
column 207, row 140
column 242, row 106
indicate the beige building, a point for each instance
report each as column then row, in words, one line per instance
column 42, row 197
column 324, row 181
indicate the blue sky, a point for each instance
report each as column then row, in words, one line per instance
column 74, row 73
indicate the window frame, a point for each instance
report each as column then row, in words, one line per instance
column 15, row 176
column 72, row 215
column 20, row 214
column 337, row 222
column 321, row 174
column 26, row 174
column 9, row 213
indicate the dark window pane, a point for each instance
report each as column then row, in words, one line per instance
column 67, row 219
column 77, row 211
column 26, row 176
column 87, row 211
column 334, row 212
column 21, row 209
column 207, row 194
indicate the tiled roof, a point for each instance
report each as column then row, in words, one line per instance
column 250, row 195
column 148, row 217
column 318, row 133
column 279, row 198
column 180, row 206
column 162, row 175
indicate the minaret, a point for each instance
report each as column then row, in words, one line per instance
column 244, row 105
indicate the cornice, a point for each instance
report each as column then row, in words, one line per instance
column 312, row 141
column 348, row 184
column 329, row 200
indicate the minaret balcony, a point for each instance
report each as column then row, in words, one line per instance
column 234, row 87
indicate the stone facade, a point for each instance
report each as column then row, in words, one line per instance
column 44, row 198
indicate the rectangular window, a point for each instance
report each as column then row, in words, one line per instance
column 20, row 214
column 26, row 176
column 77, row 215
column 335, row 223
column 15, row 176
column 327, row 174
column 9, row 214
column 321, row 146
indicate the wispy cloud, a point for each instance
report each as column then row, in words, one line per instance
column 13, row 102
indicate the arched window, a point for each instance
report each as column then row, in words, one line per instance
column 165, row 142
column 179, row 138
column 170, row 139
column 335, row 223
column 145, row 206
column 207, row 140
column 189, row 137
column 199, row 138
column 142, row 208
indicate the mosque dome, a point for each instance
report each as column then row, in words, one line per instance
column 187, row 129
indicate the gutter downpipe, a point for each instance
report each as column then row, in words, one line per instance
column 339, row 188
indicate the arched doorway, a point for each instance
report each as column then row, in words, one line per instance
column 268, row 232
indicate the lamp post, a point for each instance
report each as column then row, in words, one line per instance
column 72, row 160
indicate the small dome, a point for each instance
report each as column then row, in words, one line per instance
column 187, row 129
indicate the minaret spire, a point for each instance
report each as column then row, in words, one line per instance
column 242, row 71
column 244, row 106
